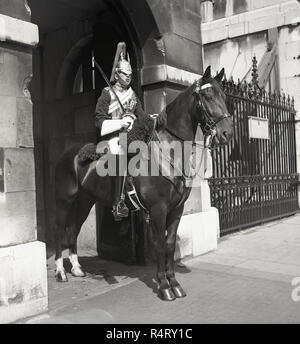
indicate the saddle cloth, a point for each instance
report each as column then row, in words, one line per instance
column 142, row 130
column 87, row 154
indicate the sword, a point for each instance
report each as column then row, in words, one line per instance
column 109, row 84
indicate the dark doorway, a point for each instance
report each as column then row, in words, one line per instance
column 66, row 87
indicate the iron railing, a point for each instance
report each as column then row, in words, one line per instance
column 255, row 180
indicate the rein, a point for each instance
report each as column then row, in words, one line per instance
column 182, row 175
column 209, row 130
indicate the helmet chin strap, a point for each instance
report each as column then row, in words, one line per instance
column 120, row 85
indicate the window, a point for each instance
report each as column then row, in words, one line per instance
column 85, row 76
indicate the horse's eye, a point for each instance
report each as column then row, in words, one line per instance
column 208, row 96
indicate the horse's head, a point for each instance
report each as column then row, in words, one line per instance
column 210, row 108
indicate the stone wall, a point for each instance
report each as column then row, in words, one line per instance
column 256, row 20
column 179, row 24
column 226, row 8
column 236, row 55
column 23, row 280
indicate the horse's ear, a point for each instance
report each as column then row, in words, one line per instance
column 207, row 73
column 220, row 75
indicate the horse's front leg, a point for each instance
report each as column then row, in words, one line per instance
column 158, row 228
column 173, row 220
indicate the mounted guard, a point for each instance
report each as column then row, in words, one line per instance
column 116, row 110
column 78, row 185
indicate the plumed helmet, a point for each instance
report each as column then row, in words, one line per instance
column 120, row 62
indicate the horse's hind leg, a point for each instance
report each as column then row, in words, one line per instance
column 173, row 220
column 62, row 212
column 78, row 215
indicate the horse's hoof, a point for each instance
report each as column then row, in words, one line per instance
column 166, row 294
column 178, row 292
column 77, row 272
column 61, row 277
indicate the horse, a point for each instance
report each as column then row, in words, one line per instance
column 78, row 187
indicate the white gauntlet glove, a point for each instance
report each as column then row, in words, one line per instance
column 128, row 120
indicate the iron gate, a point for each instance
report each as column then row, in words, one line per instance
column 255, row 179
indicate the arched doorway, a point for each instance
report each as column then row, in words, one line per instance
column 66, row 86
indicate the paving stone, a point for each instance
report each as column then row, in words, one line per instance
column 224, row 286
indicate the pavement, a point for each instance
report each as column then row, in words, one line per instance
column 250, row 278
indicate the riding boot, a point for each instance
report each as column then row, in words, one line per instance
column 120, row 209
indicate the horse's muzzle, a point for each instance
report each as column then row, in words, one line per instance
column 224, row 132
column 222, row 140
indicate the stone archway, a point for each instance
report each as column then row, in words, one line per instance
column 156, row 35
column 65, row 118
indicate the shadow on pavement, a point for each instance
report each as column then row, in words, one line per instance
column 111, row 271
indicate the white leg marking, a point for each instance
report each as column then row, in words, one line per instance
column 76, row 267
column 60, row 272
column 59, row 264
column 74, row 260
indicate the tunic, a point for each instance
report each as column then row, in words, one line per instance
column 108, row 108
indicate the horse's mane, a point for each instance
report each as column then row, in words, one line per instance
column 181, row 99
column 180, row 102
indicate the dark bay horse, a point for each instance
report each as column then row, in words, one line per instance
column 79, row 187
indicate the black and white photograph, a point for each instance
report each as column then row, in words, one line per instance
column 149, row 165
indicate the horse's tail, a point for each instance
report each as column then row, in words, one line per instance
column 66, row 190
column 66, row 176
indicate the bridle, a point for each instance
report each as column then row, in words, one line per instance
column 209, row 127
